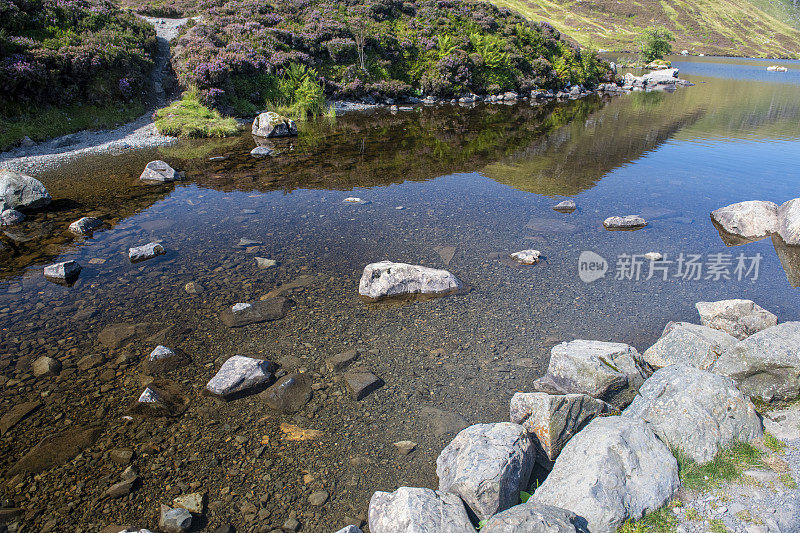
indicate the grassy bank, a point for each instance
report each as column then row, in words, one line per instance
column 187, row 117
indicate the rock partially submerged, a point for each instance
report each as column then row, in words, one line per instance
column 244, row 313
column 159, row 172
column 386, row 278
column 415, row 510
column 739, row 318
column 163, row 359
column 11, row 217
column 628, row 222
column 751, row 220
column 685, row 343
column 145, row 252
column 271, row 124
column 765, row 365
column 289, row 394
column 695, row 411
column 84, row 227
column 567, row 206
column 64, row 273
column 553, row 419
column 614, row 469
column 19, row 191
column 608, row 371
column 526, row 257
column 239, row 374
column 487, row 465
column 789, row 222
column 533, row 517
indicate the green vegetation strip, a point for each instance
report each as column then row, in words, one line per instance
column 187, row 117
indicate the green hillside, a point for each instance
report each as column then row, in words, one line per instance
column 751, row 28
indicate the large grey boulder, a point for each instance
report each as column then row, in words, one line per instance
column 789, row 221
column 385, row 278
column 614, row 469
column 740, row 318
column 239, row 374
column 751, row 220
column 159, row 172
column 765, row 365
column 271, row 124
column 609, row 371
column 412, row 510
column 696, row 411
column 553, row 418
column 487, row 465
column 533, row 517
column 682, row 342
column 18, row 191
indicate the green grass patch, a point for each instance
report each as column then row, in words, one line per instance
column 715, row 525
column 41, row 123
column 661, row 521
column 187, row 117
column 727, row 465
column 788, row 480
column 771, row 442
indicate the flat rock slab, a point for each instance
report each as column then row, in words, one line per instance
column 695, row 411
column 608, row 371
column 554, row 419
column 55, row 450
column 627, row 222
column 685, row 343
column 64, row 273
column 360, row 383
column 17, row 413
column 614, row 469
column 159, row 172
column 487, row 465
column 242, row 314
column 533, row 517
column 384, row 279
column 289, row 394
column 239, row 374
column 751, row 220
column 441, row 422
column 19, row 191
column 115, row 336
column 145, row 252
column 341, row 360
column 413, row 510
column 765, row 365
column 739, row 318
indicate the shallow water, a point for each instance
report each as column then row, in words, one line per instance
column 474, row 183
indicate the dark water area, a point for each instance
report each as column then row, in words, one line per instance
column 449, row 187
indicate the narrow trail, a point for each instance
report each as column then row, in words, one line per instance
column 141, row 133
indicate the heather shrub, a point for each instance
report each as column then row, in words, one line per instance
column 64, row 52
column 378, row 48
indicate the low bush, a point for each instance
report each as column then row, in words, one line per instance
column 188, row 117
column 242, row 52
column 655, row 43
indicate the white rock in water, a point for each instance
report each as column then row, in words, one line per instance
column 653, row 256
column 566, row 206
column 159, row 172
column 263, row 263
column 408, row 510
column 354, row 200
column 20, row 191
column 695, row 411
column 85, row 226
column 146, row 251
column 393, row 279
column 614, row 469
column 262, row 151
column 526, row 257
column 626, row 222
column 161, row 352
column 487, row 465
column 149, row 396
column 64, row 272
column 685, row 343
column 11, row 217
column 765, row 365
column 789, row 222
column 740, row 318
column 238, row 374
column 271, row 124
column 749, row 220
column 241, row 306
